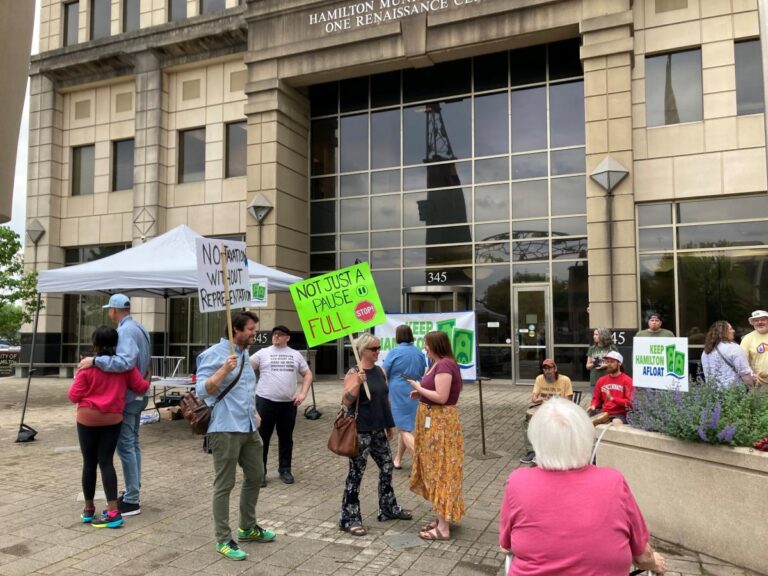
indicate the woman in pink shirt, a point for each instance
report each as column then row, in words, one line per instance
column 100, row 399
column 566, row 516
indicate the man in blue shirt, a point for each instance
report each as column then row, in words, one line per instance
column 233, row 434
column 133, row 349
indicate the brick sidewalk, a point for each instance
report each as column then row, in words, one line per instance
column 40, row 531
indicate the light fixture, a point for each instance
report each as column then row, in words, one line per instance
column 609, row 173
column 259, row 208
column 35, row 231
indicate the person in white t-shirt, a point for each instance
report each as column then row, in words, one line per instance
column 278, row 396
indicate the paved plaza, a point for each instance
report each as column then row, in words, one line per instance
column 40, row 531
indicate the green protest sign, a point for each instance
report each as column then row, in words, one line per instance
column 338, row 303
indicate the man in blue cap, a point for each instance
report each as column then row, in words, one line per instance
column 133, row 349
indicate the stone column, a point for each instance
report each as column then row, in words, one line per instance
column 607, row 55
column 278, row 130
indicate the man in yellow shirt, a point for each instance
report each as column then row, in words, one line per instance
column 755, row 346
column 547, row 384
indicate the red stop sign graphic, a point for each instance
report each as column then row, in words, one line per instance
column 365, row 311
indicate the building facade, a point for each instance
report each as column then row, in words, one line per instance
column 554, row 165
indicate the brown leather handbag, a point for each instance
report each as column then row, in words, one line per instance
column 197, row 412
column 343, row 439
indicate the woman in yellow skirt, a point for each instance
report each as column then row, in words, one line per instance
column 438, row 465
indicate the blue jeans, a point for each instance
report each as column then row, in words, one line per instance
column 129, row 450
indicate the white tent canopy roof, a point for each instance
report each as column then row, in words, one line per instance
column 164, row 266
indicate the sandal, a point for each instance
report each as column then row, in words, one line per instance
column 431, row 525
column 433, row 535
column 356, row 530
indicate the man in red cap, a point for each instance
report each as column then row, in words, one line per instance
column 613, row 392
column 547, row 384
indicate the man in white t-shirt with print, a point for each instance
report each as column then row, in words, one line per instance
column 278, row 396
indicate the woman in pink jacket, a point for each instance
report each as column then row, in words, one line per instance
column 100, row 399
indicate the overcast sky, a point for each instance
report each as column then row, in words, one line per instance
column 18, row 216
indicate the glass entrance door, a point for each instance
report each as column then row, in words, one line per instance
column 427, row 299
column 532, row 334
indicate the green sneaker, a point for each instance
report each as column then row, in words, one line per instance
column 255, row 534
column 231, row 550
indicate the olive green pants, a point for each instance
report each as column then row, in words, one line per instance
column 230, row 449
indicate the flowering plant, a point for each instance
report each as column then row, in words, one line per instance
column 709, row 413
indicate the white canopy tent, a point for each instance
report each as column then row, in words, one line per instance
column 162, row 267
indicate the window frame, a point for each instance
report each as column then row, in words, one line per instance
column 92, row 19
column 181, row 177
column 115, row 145
column 241, row 170
column 130, row 4
column 697, row 113
column 75, row 188
column 66, row 41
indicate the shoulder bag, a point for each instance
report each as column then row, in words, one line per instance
column 343, row 439
column 197, row 412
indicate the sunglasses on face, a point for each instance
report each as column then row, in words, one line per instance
column 374, row 348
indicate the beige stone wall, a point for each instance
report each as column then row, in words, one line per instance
column 722, row 154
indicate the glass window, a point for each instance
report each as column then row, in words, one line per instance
column 354, row 241
column 492, row 170
column 491, row 124
column 657, row 286
column 492, row 303
column 570, row 161
column 522, row 273
column 527, row 250
column 734, row 208
column 192, row 155
column 530, row 229
column 323, row 99
column 385, row 89
column 673, row 88
column 353, row 214
column 653, row 239
column 324, row 146
column 528, row 65
column 564, row 59
column 529, row 199
column 570, row 301
column 354, row 184
column 438, row 175
column 388, row 286
column 722, row 235
column 83, row 170
column 387, row 181
column 491, row 252
column 437, row 255
column 437, row 207
column 385, row 212
column 566, row 114
column 445, row 79
column 441, row 235
column 131, row 15
column 207, row 6
column 101, row 15
column 495, row 231
column 654, row 214
column 385, row 139
column 177, row 10
column 569, row 195
column 570, row 248
column 437, row 131
column 71, row 21
column 385, row 239
column 495, row 361
column 122, row 165
column 353, row 94
column 491, row 71
column 491, row 203
column 529, row 166
column 353, row 154
column 529, row 119
column 322, row 188
column 237, row 136
column 749, row 77
column 569, row 226
column 322, row 243
column 385, row 259
column 322, row 262
column 322, row 217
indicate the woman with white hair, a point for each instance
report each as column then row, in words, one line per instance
column 566, row 516
column 365, row 391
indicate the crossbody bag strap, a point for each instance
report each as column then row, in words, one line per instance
column 230, row 386
column 728, row 362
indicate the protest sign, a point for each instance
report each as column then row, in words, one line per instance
column 259, row 293
column 460, row 327
column 215, row 290
column 660, row 363
column 338, row 303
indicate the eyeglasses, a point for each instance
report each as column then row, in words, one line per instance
column 374, row 348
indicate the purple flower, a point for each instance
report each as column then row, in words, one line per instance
column 727, row 434
column 715, row 416
column 702, row 434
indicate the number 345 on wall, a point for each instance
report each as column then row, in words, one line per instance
column 437, row 277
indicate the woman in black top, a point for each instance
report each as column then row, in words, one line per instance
column 375, row 427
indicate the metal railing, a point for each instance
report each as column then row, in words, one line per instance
column 169, row 366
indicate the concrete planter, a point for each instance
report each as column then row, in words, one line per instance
column 712, row 499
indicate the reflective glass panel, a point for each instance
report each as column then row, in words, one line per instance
column 385, row 212
column 673, row 88
column 353, row 241
column 387, row 181
column 192, row 155
column 733, row 208
column 529, row 119
column 495, row 361
column 657, row 285
column 522, row 273
column 655, row 239
column 323, row 98
column 492, row 170
column 385, row 239
column 447, row 78
column 491, row 124
column 492, row 303
column 441, row 235
column 385, row 89
column 570, row 299
column 321, row 188
column 529, row 166
column 566, row 114
column 490, row 71
column 354, row 143
column 324, row 146
column 236, row 149
column 437, row 207
column 749, row 77
column 564, row 59
column 353, row 94
column 83, row 170
column 721, row 235
column 522, row 229
column 385, row 259
column 322, row 217
column 492, row 252
column 71, row 19
column 322, row 262
column 122, row 165
column 437, row 255
column 569, row 226
column 527, row 250
column 528, row 65
column 570, row 248
column 207, row 6
column 322, row 243
column 496, row 231
column 353, row 214
column 388, row 286
column 652, row 214
column 529, row 199
column 569, row 195
column 491, row 202
column 131, row 15
column 570, row 161
column 101, row 15
column 354, row 184
column 385, row 139
column 352, row 258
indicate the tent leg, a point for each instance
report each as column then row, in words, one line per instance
column 27, row 433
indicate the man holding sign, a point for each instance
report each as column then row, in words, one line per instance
column 233, row 432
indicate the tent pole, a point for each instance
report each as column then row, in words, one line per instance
column 167, row 327
column 27, row 433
